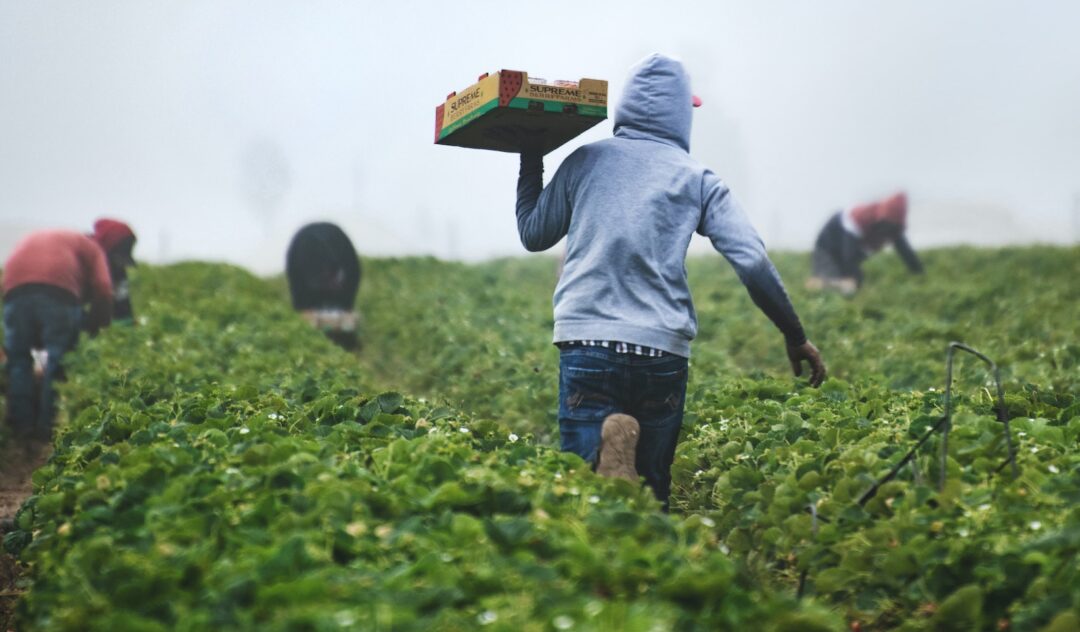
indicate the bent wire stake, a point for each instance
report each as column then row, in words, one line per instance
column 945, row 423
column 812, row 508
column 1003, row 415
column 904, row 461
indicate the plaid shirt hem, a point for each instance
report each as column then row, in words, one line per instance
column 616, row 346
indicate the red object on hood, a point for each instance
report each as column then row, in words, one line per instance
column 892, row 209
column 110, row 232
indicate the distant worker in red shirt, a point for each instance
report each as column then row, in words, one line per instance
column 850, row 236
column 47, row 279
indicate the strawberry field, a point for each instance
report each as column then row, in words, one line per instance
column 223, row 466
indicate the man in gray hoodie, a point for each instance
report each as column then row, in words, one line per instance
column 624, row 319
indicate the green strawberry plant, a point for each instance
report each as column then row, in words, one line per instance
column 224, row 466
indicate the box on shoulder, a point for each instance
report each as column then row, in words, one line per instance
column 509, row 111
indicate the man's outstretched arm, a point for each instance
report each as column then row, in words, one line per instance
column 724, row 222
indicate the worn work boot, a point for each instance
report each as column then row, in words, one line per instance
column 618, row 447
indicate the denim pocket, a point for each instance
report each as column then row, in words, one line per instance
column 585, row 393
column 665, row 389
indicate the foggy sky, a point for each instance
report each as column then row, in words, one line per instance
column 216, row 128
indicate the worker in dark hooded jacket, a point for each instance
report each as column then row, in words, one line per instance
column 852, row 235
column 624, row 318
column 47, row 279
column 118, row 240
column 323, row 270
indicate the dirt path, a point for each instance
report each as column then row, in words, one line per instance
column 17, row 464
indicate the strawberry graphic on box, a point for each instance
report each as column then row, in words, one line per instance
column 505, row 110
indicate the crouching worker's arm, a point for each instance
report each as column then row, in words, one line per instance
column 95, row 270
column 907, row 253
column 99, row 315
column 723, row 222
column 543, row 214
column 122, row 313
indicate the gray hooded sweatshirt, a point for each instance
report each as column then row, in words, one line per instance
column 628, row 206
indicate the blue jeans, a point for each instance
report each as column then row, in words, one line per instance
column 36, row 320
column 595, row 382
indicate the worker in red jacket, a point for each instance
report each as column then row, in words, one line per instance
column 850, row 236
column 47, row 279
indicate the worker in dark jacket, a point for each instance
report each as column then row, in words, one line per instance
column 117, row 240
column 47, row 279
column 850, row 236
column 323, row 270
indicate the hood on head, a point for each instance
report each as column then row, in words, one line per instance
column 115, row 237
column 656, row 103
column 110, row 232
column 892, row 210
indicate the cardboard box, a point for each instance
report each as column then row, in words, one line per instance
column 501, row 109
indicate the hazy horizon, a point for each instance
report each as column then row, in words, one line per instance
column 218, row 128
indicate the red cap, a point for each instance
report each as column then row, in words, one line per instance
column 110, row 232
column 696, row 100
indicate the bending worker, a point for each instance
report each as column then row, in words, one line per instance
column 117, row 240
column 850, row 236
column 47, row 279
column 323, row 270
